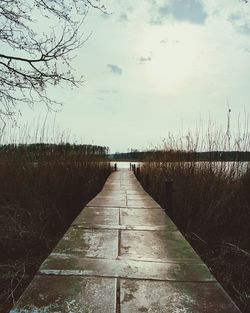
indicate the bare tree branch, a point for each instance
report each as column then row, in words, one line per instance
column 32, row 59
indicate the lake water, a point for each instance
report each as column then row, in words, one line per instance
column 125, row 164
column 238, row 167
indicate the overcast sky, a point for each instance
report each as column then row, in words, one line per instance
column 152, row 67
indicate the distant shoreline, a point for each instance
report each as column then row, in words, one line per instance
column 180, row 156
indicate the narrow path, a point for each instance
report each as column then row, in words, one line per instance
column 123, row 254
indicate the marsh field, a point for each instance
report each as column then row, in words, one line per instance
column 42, row 189
column 211, row 207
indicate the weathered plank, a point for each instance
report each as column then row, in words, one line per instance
column 124, row 254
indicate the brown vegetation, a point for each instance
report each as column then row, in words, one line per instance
column 42, row 191
column 211, row 206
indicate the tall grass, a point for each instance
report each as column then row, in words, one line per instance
column 42, row 189
column 211, row 206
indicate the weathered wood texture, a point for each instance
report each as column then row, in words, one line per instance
column 123, row 254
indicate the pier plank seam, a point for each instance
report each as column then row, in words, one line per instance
column 123, row 254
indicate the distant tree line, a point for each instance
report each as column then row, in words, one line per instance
column 173, row 155
column 47, row 149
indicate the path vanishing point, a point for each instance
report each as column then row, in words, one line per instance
column 123, row 254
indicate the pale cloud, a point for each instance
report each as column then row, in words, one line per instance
column 115, row 69
column 191, row 11
column 186, row 72
column 124, row 17
column 108, row 91
column 145, row 59
column 244, row 28
column 240, row 22
column 165, row 41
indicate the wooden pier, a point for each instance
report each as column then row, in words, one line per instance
column 123, row 254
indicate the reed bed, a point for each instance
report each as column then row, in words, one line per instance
column 211, row 207
column 42, row 189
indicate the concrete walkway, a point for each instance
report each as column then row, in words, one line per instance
column 123, row 254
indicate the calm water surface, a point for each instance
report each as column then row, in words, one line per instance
column 239, row 167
